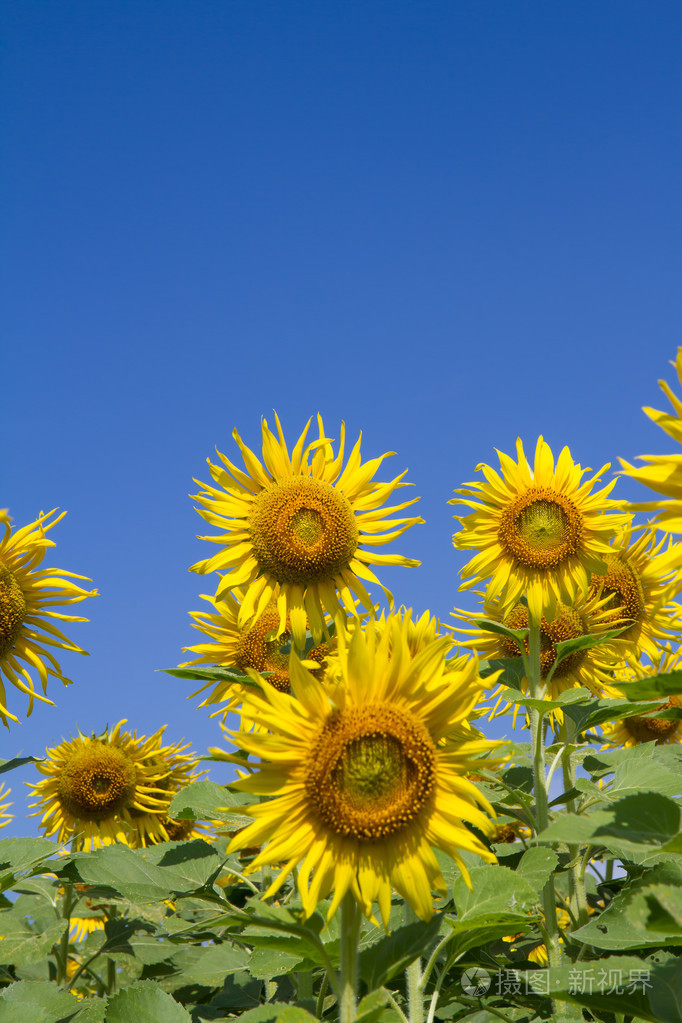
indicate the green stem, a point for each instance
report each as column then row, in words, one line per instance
column 537, row 728
column 324, row 984
column 576, row 877
column 62, row 951
column 111, row 976
column 348, row 959
column 413, row 973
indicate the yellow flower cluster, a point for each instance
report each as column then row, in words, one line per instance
column 113, row 787
column 359, row 728
column 567, row 559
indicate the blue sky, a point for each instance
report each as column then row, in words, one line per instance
column 448, row 223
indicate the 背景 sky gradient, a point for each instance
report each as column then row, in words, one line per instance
column 447, row 223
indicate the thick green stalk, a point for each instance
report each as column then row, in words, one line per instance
column 537, row 728
column 62, row 950
column 413, row 974
column 348, row 959
column 576, row 880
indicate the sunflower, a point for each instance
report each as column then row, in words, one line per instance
column 539, row 532
column 294, row 528
column 82, row 927
column 96, row 787
column 367, row 775
column 174, row 770
column 5, row 817
column 27, row 598
column 642, row 577
column 663, row 473
column 538, row 953
column 632, row 731
column 259, row 645
column 590, row 668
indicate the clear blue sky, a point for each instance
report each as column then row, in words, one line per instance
column 449, row 223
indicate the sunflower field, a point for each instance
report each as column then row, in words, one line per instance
column 374, row 856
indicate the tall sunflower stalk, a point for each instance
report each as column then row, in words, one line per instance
column 540, row 789
column 540, row 534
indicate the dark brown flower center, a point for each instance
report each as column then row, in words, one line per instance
column 567, row 624
column 370, row 771
column 623, row 587
column 541, row 529
column 12, row 609
column 302, row 530
column 97, row 782
column 644, row 729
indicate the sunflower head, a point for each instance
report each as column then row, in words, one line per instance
column 96, row 788
column 258, row 646
column 300, row 530
column 632, row 731
column 538, row 533
column 173, row 769
column 368, row 771
column 642, row 577
column 589, row 667
column 28, row 598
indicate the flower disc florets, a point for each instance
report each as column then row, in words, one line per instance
column 12, row 609
column 370, row 771
column 303, row 530
column 567, row 624
column 541, row 529
column 648, row 729
column 97, row 782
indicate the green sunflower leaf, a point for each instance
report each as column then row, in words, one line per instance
column 373, row 1007
column 145, row 1002
column 513, row 672
column 645, row 775
column 495, row 890
column 208, row 674
column 665, row 909
column 567, row 647
column 22, row 946
column 635, row 823
column 207, row 965
column 134, row 874
column 266, row 963
column 22, row 856
column 634, row 919
column 205, row 800
column 277, row 1012
column 638, row 988
column 10, row 765
column 394, row 953
column 536, row 865
column 598, row 712
column 669, row 684
column 570, row 697
column 517, row 635
column 40, row 1001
